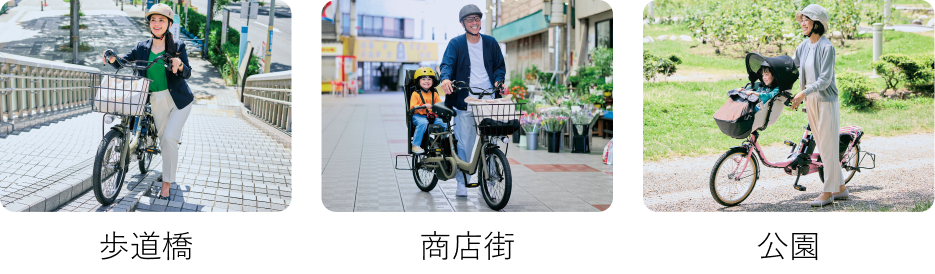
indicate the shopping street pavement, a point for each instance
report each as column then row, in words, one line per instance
column 362, row 135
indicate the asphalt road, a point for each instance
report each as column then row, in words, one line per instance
column 282, row 30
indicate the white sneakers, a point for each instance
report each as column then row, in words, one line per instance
column 417, row 150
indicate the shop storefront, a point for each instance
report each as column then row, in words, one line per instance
column 381, row 62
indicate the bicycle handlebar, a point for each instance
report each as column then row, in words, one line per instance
column 486, row 91
column 123, row 63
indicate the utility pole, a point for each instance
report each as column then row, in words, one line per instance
column 75, row 39
column 269, row 39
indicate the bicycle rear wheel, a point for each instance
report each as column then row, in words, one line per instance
column 107, row 178
column 425, row 177
column 496, row 190
column 852, row 158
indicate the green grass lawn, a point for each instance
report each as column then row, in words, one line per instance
column 678, row 119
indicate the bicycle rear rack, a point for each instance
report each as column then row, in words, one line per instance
column 873, row 158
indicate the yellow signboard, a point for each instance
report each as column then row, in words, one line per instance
column 372, row 50
column 329, row 49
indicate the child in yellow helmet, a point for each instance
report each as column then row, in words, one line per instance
column 425, row 96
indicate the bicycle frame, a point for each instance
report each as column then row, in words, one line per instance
column 478, row 152
column 752, row 145
column 131, row 138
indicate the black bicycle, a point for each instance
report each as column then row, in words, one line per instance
column 126, row 97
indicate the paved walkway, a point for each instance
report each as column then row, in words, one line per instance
column 361, row 135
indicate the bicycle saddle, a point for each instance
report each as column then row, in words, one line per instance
column 440, row 109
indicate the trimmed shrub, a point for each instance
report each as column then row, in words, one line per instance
column 653, row 65
column 854, row 88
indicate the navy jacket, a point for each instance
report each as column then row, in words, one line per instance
column 456, row 65
column 178, row 88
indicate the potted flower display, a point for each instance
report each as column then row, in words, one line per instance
column 519, row 98
column 531, row 122
column 582, row 119
column 553, row 125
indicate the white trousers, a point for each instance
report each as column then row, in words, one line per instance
column 169, row 122
column 824, row 118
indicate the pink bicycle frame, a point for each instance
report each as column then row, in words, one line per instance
column 854, row 131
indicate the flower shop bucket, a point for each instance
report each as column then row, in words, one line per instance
column 580, row 141
column 555, row 141
column 532, row 140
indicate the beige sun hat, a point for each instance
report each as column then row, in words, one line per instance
column 816, row 13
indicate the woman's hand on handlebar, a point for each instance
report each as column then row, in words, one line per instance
column 176, row 64
column 446, row 86
column 798, row 100
column 105, row 60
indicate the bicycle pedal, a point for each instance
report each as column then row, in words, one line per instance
column 472, row 185
column 799, row 188
column 789, row 143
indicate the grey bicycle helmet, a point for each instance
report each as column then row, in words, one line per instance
column 468, row 10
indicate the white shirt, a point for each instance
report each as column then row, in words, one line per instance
column 809, row 65
column 479, row 77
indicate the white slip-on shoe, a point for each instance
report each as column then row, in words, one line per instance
column 843, row 195
column 820, row 203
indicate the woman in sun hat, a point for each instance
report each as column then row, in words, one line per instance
column 171, row 97
column 815, row 56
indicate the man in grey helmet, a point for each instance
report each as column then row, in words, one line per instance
column 476, row 59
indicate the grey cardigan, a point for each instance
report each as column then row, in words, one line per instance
column 824, row 66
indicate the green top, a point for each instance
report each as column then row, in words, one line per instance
column 157, row 73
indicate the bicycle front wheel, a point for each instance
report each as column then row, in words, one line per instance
column 107, row 178
column 499, row 183
column 733, row 177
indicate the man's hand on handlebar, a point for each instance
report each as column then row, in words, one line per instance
column 500, row 88
column 446, row 86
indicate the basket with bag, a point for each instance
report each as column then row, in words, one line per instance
column 119, row 94
column 495, row 117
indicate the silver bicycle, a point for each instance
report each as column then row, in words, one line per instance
column 134, row 138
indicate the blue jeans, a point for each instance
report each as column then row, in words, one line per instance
column 466, row 134
column 422, row 123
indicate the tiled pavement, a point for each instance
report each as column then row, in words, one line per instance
column 226, row 165
column 361, row 135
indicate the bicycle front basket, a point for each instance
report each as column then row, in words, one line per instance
column 495, row 119
column 124, row 95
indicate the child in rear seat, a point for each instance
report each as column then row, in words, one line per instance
column 766, row 88
column 425, row 96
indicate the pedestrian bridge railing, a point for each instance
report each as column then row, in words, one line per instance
column 35, row 91
column 268, row 96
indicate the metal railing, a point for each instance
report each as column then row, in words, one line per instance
column 35, row 92
column 268, row 96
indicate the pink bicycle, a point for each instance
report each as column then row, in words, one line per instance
column 735, row 173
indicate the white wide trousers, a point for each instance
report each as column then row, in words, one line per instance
column 169, row 122
column 824, row 118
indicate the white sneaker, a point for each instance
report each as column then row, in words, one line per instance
column 462, row 190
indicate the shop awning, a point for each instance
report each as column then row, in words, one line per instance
column 531, row 24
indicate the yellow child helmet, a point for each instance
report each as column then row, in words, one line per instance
column 425, row 71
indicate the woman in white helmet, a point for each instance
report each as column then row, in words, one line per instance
column 815, row 57
column 171, row 97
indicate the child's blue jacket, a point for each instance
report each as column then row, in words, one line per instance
column 765, row 93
